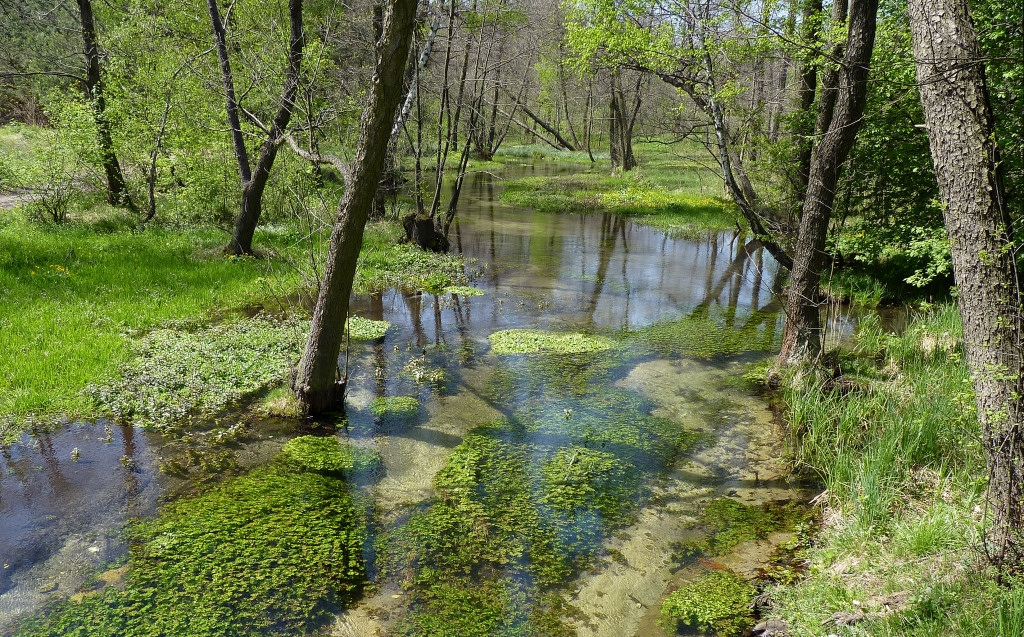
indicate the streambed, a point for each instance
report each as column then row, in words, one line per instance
column 663, row 413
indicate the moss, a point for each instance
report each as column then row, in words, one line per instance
column 275, row 551
column 463, row 290
column 361, row 329
column 521, row 341
column 718, row 603
column 328, row 454
column 397, row 407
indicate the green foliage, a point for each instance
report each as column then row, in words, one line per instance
column 520, row 341
column 275, row 551
column 384, row 264
column 74, row 294
column 361, row 329
column 178, row 375
column 396, row 407
column 328, row 454
column 719, row 603
column 899, row 453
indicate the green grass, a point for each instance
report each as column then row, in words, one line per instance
column 275, row 551
column 898, row 450
column 78, row 296
column 677, row 212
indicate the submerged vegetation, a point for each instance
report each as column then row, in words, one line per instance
column 277, row 550
column 718, row 603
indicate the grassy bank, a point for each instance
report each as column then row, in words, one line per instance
column 78, row 296
column 897, row 446
column 671, row 190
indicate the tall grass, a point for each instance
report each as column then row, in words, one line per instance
column 897, row 446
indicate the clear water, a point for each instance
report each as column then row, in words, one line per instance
column 60, row 518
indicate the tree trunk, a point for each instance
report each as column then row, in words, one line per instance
column 117, row 190
column 802, row 338
column 960, row 124
column 316, row 382
column 254, row 180
column 620, row 126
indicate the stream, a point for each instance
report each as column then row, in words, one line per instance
column 62, row 511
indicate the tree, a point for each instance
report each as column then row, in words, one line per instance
column 117, row 189
column 316, row 383
column 840, row 113
column 254, row 178
column 960, row 124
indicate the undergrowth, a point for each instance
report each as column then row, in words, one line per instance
column 897, row 446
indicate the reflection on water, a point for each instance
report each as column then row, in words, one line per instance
column 64, row 499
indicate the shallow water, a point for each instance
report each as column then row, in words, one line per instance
column 61, row 519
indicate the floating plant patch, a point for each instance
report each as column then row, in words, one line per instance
column 397, row 407
column 362, row 329
column 463, row 290
column 521, row 341
column 178, row 375
column 329, row 454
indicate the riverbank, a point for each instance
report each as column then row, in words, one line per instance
column 80, row 296
column 896, row 446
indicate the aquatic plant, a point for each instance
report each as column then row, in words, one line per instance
column 718, row 603
column 276, row 550
column 729, row 523
column 463, row 290
column 397, row 407
column 363, row 329
column 327, row 453
column 522, row 341
column 704, row 336
column 179, row 374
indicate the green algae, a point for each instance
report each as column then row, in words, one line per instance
column 362, row 329
column 521, row 341
column 396, row 407
column 274, row 551
column 328, row 454
column 719, row 603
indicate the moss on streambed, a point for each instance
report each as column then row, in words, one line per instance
column 275, row 551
